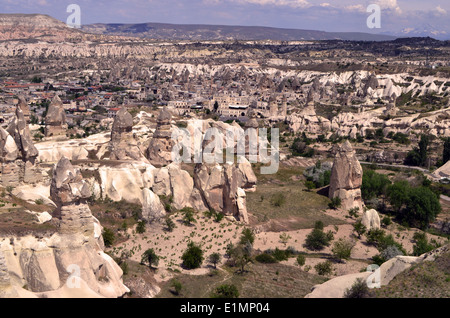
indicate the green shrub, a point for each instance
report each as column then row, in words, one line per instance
column 140, row 228
column 193, row 256
column 324, row 268
column 265, row 258
column 335, row 203
column 188, row 216
column 301, row 259
column 170, row 225
column 108, row 237
column 177, row 286
column 226, row 291
column 280, row 255
column 317, row 240
column 124, row 267
column 359, row 228
column 342, row 249
column 359, row 290
column 247, row 236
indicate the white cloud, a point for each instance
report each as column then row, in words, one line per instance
column 441, row 11
column 355, row 8
column 390, row 5
column 279, row 3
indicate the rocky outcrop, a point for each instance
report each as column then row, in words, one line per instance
column 6, row 289
column 371, row 220
column 123, row 145
column 70, row 192
column 55, row 120
column 223, row 187
column 159, row 151
column 346, row 178
column 69, row 263
column 18, row 153
column 308, row 121
column 25, row 108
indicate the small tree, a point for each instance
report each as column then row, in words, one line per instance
column 229, row 250
column 359, row 228
column 149, row 257
column 247, row 236
column 108, row 237
column 193, row 256
column 140, row 228
column 188, row 217
column 214, row 259
column 342, row 249
column 242, row 255
column 170, row 224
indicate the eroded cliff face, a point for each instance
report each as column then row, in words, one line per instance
column 346, row 178
column 69, row 263
column 18, row 152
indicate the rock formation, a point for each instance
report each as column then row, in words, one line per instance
column 18, row 153
column 346, row 178
column 371, row 220
column 25, row 108
column 69, row 192
column 159, row 151
column 70, row 262
column 123, row 145
column 55, row 121
column 222, row 187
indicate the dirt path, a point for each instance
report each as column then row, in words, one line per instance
column 227, row 277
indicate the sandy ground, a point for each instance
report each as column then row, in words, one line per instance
column 214, row 237
column 170, row 246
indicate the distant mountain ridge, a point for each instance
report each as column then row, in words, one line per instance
column 166, row 31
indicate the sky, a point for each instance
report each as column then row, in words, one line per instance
column 325, row 15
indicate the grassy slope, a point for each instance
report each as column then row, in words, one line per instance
column 424, row 280
column 300, row 210
column 260, row 281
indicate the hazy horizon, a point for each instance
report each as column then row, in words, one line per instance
column 329, row 16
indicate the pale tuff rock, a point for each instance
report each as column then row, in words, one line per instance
column 6, row 289
column 336, row 287
column 159, row 151
column 346, row 178
column 443, row 172
column 23, row 105
column 55, row 121
column 152, row 208
column 308, row 121
column 69, row 192
column 22, row 168
column 46, row 264
column 222, row 187
column 123, row 145
column 18, row 129
column 371, row 220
